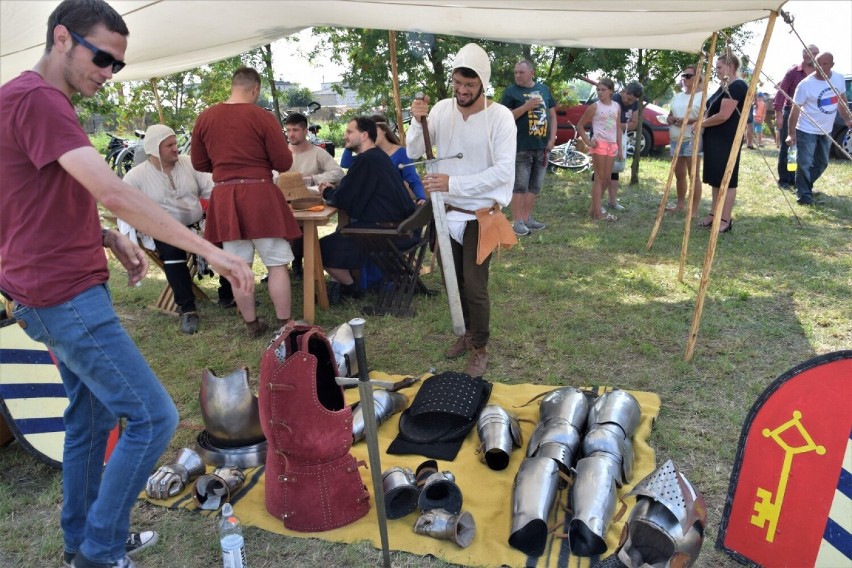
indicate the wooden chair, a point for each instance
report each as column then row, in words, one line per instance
column 166, row 299
column 398, row 252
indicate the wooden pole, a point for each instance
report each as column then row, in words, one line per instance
column 723, row 190
column 157, row 100
column 395, row 81
column 693, row 166
column 662, row 208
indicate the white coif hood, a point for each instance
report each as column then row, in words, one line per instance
column 474, row 57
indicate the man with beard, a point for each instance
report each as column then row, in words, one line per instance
column 371, row 193
column 482, row 180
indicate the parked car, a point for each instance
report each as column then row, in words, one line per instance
column 655, row 132
column 840, row 132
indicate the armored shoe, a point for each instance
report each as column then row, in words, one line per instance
column 477, row 361
column 460, row 347
column 189, row 322
column 257, row 328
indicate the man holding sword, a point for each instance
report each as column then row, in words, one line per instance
column 534, row 110
column 475, row 186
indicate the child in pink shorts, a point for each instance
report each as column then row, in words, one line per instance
column 605, row 145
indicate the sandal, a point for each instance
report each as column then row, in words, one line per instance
column 704, row 224
column 609, row 217
column 730, row 226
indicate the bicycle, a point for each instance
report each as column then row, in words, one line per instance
column 126, row 159
column 567, row 156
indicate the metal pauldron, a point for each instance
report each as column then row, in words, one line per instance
column 229, row 409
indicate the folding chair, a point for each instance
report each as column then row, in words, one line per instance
column 398, row 252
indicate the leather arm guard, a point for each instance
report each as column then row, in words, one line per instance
column 171, row 479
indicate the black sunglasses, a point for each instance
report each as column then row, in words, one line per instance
column 101, row 58
column 687, row 75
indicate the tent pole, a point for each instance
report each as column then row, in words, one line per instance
column 662, row 208
column 693, row 166
column 723, row 190
column 395, row 81
column 157, row 99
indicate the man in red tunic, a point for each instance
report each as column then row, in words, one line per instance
column 241, row 143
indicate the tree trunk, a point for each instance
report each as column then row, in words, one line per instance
column 267, row 59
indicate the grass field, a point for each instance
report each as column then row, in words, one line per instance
column 580, row 303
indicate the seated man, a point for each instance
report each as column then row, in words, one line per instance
column 372, row 192
column 170, row 180
column 314, row 163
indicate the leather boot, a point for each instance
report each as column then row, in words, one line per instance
column 460, row 347
column 477, row 361
column 257, row 328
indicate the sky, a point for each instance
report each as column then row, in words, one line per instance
column 826, row 23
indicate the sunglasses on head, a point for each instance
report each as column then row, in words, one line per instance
column 101, row 58
column 687, row 75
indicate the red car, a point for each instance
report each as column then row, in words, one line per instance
column 655, row 132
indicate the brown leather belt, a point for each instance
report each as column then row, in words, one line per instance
column 468, row 211
column 238, row 181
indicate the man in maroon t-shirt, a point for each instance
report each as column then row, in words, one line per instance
column 54, row 272
column 783, row 105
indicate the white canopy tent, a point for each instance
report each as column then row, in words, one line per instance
column 167, row 36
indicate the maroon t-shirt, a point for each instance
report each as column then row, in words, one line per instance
column 50, row 234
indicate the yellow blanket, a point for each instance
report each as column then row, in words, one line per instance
column 487, row 494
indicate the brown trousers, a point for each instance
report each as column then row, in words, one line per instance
column 473, row 285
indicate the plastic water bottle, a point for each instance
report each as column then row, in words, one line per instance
column 792, row 157
column 231, row 539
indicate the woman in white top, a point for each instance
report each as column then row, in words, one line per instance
column 691, row 83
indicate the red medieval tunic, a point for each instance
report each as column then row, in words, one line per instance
column 243, row 142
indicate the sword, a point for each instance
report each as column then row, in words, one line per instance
column 365, row 389
column 432, row 161
column 443, row 233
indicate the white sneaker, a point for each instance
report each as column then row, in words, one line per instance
column 617, row 206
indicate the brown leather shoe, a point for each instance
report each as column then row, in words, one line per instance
column 477, row 361
column 460, row 347
column 257, row 328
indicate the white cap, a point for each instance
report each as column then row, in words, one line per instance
column 154, row 136
column 474, row 57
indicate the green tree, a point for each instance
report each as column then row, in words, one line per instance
column 297, row 97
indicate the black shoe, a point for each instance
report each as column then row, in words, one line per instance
column 226, row 303
column 805, row 201
column 333, row 292
column 189, row 322
column 138, row 541
column 298, row 272
column 351, row 291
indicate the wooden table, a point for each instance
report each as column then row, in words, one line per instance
column 313, row 281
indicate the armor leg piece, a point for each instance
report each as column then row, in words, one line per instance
column 386, row 404
column 534, row 494
column 593, row 500
column 499, row 433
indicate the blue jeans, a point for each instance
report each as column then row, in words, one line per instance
column 106, row 378
column 812, row 161
column 784, row 177
column 530, row 166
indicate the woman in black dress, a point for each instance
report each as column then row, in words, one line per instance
column 720, row 128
